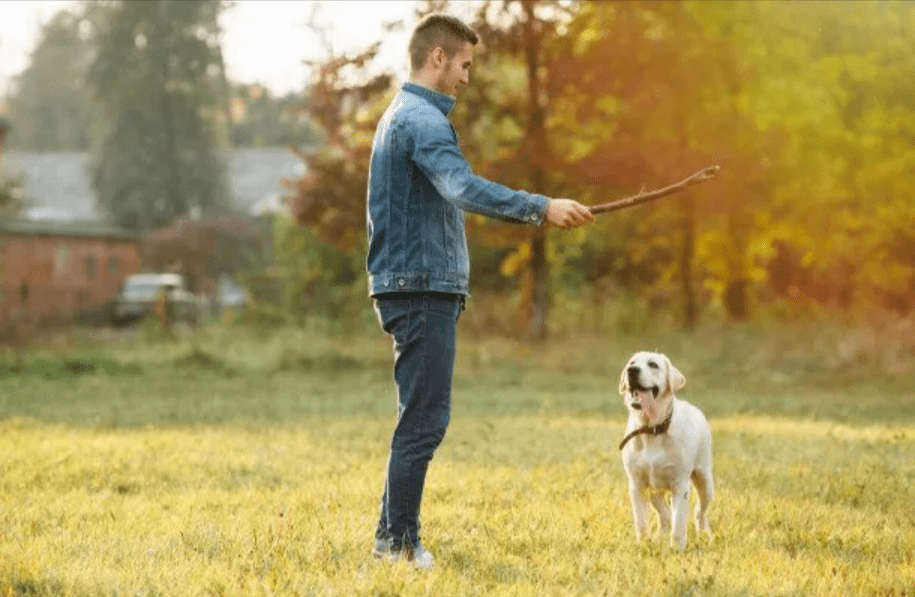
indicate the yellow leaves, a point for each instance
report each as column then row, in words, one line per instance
column 712, row 250
column 579, row 123
column 588, row 37
column 512, row 264
column 885, row 273
column 559, row 250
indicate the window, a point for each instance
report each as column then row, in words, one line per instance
column 90, row 266
column 61, row 257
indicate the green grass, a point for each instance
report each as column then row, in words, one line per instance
column 243, row 463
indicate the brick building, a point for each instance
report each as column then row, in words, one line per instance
column 57, row 261
column 54, row 271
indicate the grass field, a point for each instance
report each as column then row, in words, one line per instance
column 243, row 463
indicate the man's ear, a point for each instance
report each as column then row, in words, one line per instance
column 438, row 57
column 675, row 379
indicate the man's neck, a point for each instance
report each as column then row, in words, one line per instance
column 425, row 79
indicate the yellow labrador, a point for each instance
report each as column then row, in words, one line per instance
column 668, row 443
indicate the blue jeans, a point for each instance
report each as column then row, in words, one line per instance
column 423, row 329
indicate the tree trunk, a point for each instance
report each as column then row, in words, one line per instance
column 736, row 301
column 174, row 202
column 540, row 295
column 690, row 310
column 535, row 144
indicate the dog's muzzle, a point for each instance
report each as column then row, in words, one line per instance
column 636, row 386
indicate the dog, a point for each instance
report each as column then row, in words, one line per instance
column 668, row 443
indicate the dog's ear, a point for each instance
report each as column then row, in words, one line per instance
column 675, row 379
column 624, row 382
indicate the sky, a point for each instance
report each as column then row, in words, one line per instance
column 263, row 41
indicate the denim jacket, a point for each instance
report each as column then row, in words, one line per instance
column 419, row 187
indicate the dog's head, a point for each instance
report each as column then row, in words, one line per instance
column 647, row 378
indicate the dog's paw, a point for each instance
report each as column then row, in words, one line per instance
column 678, row 543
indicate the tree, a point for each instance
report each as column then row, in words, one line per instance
column 556, row 110
column 503, row 118
column 809, row 116
column 261, row 120
column 330, row 198
column 49, row 102
column 830, row 81
column 322, row 256
column 204, row 249
column 10, row 187
column 534, row 27
column 157, row 83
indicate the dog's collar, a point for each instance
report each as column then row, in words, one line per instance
column 652, row 429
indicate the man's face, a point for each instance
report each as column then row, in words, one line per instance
column 456, row 71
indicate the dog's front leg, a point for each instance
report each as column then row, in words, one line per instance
column 681, row 514
column 662, row 507
column 639, row 510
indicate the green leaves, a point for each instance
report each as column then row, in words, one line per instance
column 50, row 105
column 807, row 106
column 157, row 83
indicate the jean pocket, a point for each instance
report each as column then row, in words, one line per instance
column 392, row 314
column 444, row 304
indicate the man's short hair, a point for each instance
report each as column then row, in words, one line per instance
column 438, row 30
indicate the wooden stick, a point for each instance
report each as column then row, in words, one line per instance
column 643, row 196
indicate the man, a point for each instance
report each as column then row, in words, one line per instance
column 418, row 265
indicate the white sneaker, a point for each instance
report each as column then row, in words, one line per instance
column 417, row 556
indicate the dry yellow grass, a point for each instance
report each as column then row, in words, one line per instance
column 515, row 506
column 198, row 471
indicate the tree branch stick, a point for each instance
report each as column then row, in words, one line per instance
column 644, row 197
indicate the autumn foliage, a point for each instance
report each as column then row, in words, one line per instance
column 806, row 106
column 203, row 249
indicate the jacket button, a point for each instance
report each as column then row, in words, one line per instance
column 401, row 282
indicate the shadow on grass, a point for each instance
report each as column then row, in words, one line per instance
column 239, row 377
column 197, row 358
column 66, row 368
column 180, row 384
column 29, row 587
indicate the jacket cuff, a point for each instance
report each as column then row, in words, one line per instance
column 537, row 215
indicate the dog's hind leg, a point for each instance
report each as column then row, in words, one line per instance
column 662, row 507
column 705, row 487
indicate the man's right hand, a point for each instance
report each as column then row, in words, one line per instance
column 568, row 214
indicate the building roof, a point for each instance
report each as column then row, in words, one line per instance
column 58, row 186
column 256, row 173
column 68, row 229
column 55, row 183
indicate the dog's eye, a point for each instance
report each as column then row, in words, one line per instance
column 653, row 365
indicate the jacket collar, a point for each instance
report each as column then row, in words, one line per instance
column 443, row 102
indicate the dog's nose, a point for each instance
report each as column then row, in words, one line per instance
column 632, row 369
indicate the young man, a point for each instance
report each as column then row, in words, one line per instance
column 419, row 187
